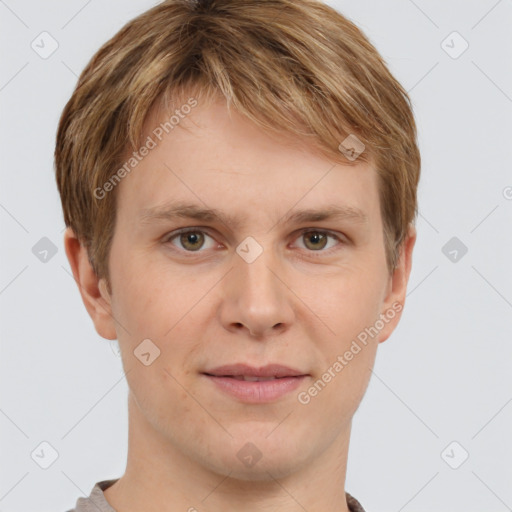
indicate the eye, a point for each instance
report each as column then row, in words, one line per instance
column 191, row 240
column 316, row 240
column 194, row 239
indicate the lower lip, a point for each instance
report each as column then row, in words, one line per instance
column 257, row 392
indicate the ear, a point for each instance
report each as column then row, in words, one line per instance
column 94, row 292
column 395, row 296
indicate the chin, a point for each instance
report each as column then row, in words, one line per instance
column 267, row 469
column 258, row 458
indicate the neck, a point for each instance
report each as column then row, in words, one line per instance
column 159, row 477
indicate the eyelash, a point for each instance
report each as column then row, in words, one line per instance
column 303, row 231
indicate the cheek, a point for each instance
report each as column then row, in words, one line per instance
column 166, row 405
column 345, row 302
column 346, row 346
column 150, row 300
column 341, row 384
column 163, row 307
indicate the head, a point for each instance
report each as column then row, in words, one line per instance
column 246, row 109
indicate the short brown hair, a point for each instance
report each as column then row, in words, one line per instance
column 293, row 66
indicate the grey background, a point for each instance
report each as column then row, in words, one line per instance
column 443, row 376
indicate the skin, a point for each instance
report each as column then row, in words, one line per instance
column 301, row 303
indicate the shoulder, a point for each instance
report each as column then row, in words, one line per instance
column 353, row 504
column 96, row 501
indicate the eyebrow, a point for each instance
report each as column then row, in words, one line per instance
column 171, row 211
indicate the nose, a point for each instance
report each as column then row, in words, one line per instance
column 256, row 299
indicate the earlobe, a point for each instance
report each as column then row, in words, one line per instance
column 395, row 300
column 92, row 289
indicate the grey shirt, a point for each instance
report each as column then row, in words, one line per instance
column 96, row 501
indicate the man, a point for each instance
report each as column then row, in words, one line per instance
column 238, row 180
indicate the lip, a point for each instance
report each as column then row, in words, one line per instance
column 270, row 370
column 254, row 392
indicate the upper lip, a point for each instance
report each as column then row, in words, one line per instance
column 270, row 370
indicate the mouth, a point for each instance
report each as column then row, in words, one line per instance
column 250, row 384
column 252, row 373
column 247, row 378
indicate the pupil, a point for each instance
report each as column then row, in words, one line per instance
column 316, row 240
column 192, row 241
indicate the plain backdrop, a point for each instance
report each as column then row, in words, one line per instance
column 434, row 429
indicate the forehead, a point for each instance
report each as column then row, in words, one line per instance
column 220, row 160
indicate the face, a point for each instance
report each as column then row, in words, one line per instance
column 278, row 282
